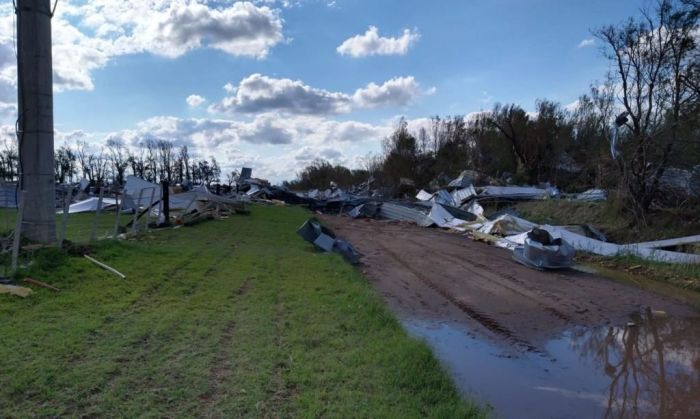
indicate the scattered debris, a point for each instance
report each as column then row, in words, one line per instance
column 104, row 266
column 457, row 205
column 15, row 290
column 41, row 284
column 91, row 205
column 591, row 195
column 313, row 232
column 542, row 251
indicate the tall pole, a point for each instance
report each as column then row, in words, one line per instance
column 35, row 122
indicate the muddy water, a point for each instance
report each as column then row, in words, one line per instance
column 649, row 368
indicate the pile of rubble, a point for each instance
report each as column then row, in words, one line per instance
column 457, row 207
column 151, row 201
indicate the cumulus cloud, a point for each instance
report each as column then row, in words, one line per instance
column 87, row 35
column 306, row 155
column 370, row 43
column 258, row 94
column 267, row 129
column 241, row 29
column 588, row 42
column 194, row 101
column 399, row 91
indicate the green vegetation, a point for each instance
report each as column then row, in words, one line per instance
column 612, row 219
column 639, row 270
column 230, row 318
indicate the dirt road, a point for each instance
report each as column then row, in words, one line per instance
column 433, row 274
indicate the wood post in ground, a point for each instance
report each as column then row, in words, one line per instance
column 18, row 231
column 120, row 204
column 165, row 202
column 150, row 205
column 134, row 224
column 64, row 216
column 93, row 234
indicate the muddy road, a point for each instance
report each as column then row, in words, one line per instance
column 531, row 343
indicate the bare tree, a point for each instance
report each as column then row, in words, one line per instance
column 119, row 158
column 165, row 156
column 653, row 57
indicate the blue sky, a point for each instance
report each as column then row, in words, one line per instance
column 124, row 69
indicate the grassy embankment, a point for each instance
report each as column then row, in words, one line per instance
column 617, row 227
column 230, row 318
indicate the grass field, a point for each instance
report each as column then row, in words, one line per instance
column 229, row 318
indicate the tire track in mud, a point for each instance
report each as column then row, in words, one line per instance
column 497, row 278
column 482, row 318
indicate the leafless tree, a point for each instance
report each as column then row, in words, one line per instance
column 653, row 58
column 119, row 158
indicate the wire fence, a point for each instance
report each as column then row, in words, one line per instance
column 82, row 218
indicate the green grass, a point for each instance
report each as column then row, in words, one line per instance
column 229, row 318
column 612, row 220
column 682, row 276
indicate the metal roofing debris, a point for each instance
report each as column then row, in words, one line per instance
column 611, row 249
column 464, row 180
column 506, row 225
column 515, row 192
column 397, row 212
column 313, row 232
column 424, row 196
column 443, row 197
column 680, row 241
column 90, row 205
column 461, row 195
column 445, row 219
column 475, row 208
column 586, row 230
column 460, row 213
column 324, row 242
column 455, row 211
column 592, row 195
column 541, row 251
column 246, row 173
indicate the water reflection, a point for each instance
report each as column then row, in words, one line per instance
column 653, row 365
column 650, row 368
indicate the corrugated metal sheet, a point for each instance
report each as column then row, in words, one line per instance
column 515, row 192
column 592, row 195
column 461, row 195
column 402, row 213
column 443, row 197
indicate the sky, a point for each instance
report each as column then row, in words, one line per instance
column 275, row 84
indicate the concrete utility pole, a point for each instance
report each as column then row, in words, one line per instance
column 35, row 107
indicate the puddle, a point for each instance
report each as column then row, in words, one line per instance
column 651, row 369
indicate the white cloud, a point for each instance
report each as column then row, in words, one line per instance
column 573, row 106
column 588, row 42
column 194, row 101
column 370, row 43
column 230, row 88
column 399, row 91
column 87, row 35
column 258, row 94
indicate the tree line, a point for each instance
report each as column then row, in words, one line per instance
column 640, row 124
column 153, row 160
